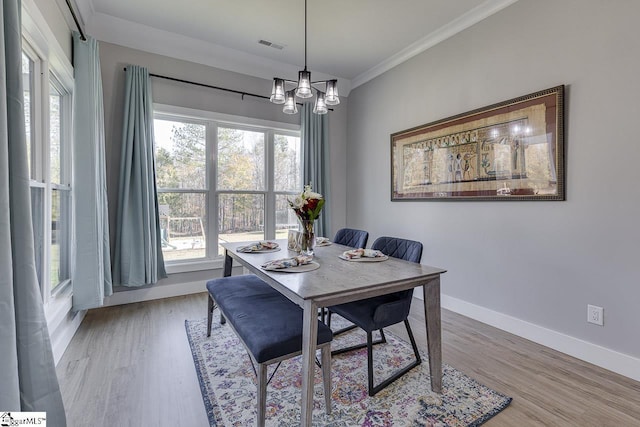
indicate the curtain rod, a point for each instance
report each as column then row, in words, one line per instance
column 212, row 87
column 75, row 19
column 209, row 86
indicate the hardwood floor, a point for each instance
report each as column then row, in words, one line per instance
column 131, row 365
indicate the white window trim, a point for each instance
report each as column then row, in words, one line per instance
column 39, row 40
column 199, row 115
column 270, row 128
column 37, row 32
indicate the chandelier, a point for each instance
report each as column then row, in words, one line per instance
column 304, row 87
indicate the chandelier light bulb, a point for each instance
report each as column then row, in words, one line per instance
column 332, row 93
column 277, row 92
column 304, row 85
column 290, row 106
column 320, row 106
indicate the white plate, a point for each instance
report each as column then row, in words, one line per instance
column 299, row 269
column 365, row 259
column 319, row 245
column 261, row 251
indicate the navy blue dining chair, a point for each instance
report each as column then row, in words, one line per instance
column 374, row 314
column 355, row 239
column 351, row 237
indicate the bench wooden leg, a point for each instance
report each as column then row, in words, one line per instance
column 262, row 393
column 326, row 376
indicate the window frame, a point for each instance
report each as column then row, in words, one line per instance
column 50, row 63
column 65, row 178
column 212, row 122
column 66, row 131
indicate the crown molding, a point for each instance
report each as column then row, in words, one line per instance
column 66, row 13
column 475, row 15
column 149, row 39
column 86, row 8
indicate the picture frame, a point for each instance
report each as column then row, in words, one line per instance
column 512, row 150
column 293, row 240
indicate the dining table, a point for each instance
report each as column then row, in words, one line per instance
column 334, row 280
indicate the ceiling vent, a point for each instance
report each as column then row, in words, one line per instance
column 270, row 44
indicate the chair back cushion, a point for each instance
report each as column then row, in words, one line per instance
column 408, row 250
column 351, row 237
column 384, row 310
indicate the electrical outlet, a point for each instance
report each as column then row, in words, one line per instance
column 595, row 314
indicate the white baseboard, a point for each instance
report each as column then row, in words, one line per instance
column 620, row 363
column 154, row 292
column 62, row 322
column 61, row 336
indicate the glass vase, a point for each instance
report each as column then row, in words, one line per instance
column 307, row 237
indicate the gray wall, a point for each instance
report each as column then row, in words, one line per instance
column 113, row 60
column 541, row 262
column 55, row 19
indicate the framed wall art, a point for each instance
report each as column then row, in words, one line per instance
column 513, row 150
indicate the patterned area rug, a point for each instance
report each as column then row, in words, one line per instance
column 228, row 386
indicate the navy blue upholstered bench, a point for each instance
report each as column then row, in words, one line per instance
column 269, row 325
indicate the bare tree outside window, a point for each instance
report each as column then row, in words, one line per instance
column 181, row 174
column 236, row 180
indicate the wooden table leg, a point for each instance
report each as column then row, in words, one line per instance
column 434, row 331
column 309, row 342
column 228, row 263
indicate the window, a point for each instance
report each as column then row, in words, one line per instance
column 28, row 85
column 220, row 180
column 47, row 108
column 241, row 183
column 287, row 177
column 60, row 182
column 181, row 179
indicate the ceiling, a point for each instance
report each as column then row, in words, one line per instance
column 352, row 40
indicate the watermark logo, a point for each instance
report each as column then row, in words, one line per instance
column 25, row 419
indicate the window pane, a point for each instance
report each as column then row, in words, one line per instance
column 37, row 220
column 27, row 85
column 183, row 224
column 285, row 217
column 287, row 170
column 240, row 160
column 240, row 218
column 180, row 154
column 60, row 236
column 55, row 150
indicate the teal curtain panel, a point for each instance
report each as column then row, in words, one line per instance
column 28, row 380
column 314, row 131
column 92, row 262
column 138, row 257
